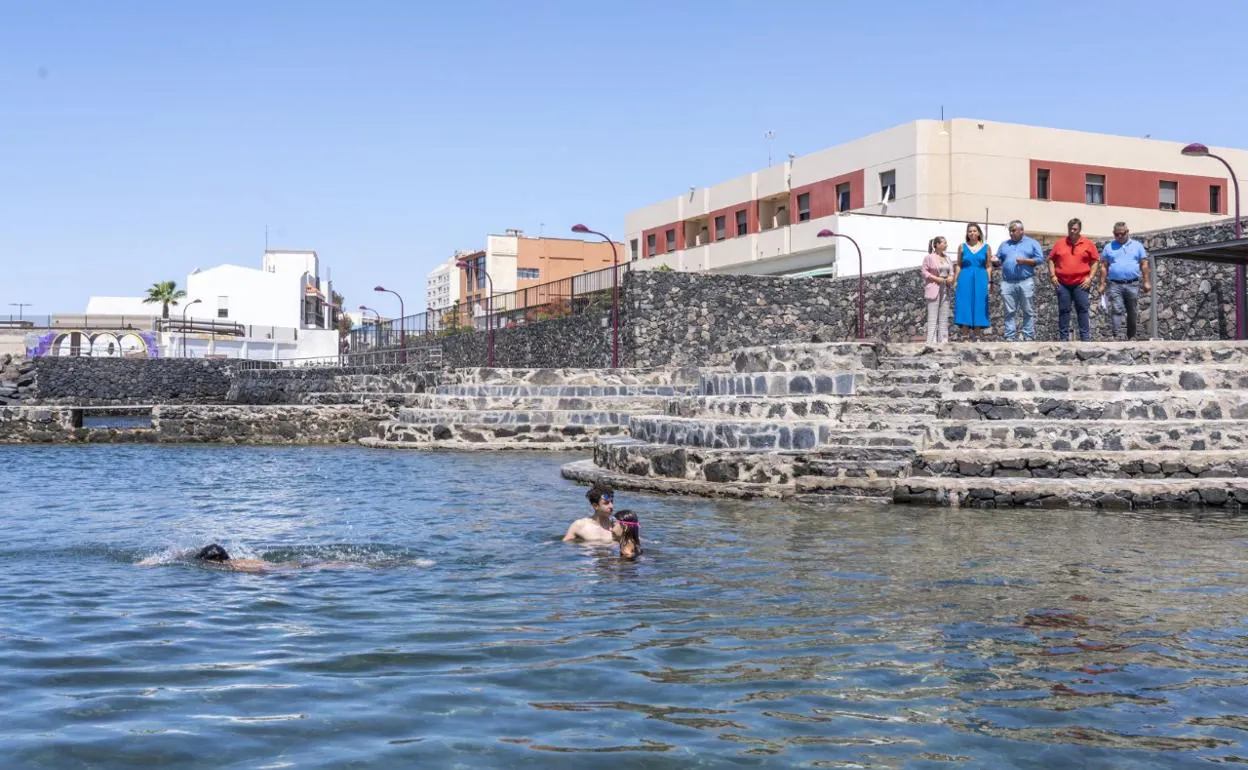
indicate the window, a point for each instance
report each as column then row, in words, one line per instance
column 1215, row 199
column 888, row 186
column 528, row 273
column 479, row 266
column 670, row 238
column 651, row 241
column 1168, row 196
column 1094, row 189
column 223, row 307
column 1042, row 184
column 842, row 196
column 803, row 207
column 632, row 249
column 720, row 221
column 743, row 222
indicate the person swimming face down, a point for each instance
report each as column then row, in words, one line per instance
column 627, row 529
column 213, row 553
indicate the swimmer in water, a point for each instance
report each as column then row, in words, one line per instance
column 595, row 528
column 215, row 554
column 627, row 529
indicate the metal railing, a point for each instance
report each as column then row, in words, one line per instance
column 570, row 296
column 74, row 321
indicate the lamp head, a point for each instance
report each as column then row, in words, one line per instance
column 462, row 264
column 580, row 229
column 825, row 234
column 194, row 302
column 1196, row 150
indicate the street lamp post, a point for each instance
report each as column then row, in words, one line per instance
column 184, row 309
column 615, row 293
column 20, row 307
column 402, row 313
column 1197, row 150
column 465, row 265
column 862, row 305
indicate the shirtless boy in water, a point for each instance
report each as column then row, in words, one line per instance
column 595, row 528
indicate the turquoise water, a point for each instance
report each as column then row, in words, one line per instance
column 452, row 630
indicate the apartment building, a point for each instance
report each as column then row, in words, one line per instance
column 441, row 285
column 515, row 261
column 957, row 170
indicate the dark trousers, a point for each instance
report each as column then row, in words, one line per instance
column 1124, row 299
column 1068, row 296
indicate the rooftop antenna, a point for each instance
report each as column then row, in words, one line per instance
column 770, row 136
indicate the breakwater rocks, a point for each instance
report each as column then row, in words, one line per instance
column 1103, row 425
column 17, row 380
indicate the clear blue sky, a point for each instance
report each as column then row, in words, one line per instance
column 140, row 139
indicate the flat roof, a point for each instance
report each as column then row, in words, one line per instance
column 1224, row 252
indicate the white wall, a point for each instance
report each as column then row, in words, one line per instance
column 501, row 257
column 255, row 297
column 311, row 343
column 287, row 262
column 893, row 243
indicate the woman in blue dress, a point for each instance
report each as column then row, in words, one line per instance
column 972, row 276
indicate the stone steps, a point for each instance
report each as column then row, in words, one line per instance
column 586, row 377
column 438, row 401
column 809, row 356
column 1153, row 353
column 1099, row 378
column 1038, row 463
column 778, row 383
column 521, row 390
column 730, row 434
column 587, row 472
column 1087, row 435
column 1112, row 494
column 413, row 416
column 538, row 435
column 1187, row 405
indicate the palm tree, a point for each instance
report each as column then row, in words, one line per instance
column 166, row 293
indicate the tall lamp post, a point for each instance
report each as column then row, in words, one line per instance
column 402, row 313
column 376, row 325
column 615, row 293
column 862, row 305
column 1197, row 150
column 20, row 307
column 466, row 266
column 184, row 309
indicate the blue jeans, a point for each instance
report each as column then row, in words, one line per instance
column 1124, row 298
column 1078, row 297
column 1015, row 296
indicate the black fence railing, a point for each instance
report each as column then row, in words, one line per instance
column 578, row 294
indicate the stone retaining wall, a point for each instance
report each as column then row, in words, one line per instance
column 26, row 425
column 579, row 342
column 268, row 424
column 89, row 381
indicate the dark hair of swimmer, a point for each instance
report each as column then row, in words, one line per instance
column 213, row 552
column 597, row 491
column 630, row 534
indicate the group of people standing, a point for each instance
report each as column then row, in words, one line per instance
column 1120, row 271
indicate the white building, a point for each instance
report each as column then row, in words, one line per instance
column 442, row 285
column 282, row 310
column 958, row 170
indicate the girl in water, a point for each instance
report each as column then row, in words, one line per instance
column 627, row 530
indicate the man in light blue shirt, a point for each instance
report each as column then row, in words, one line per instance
column 1018, row 258
column 1127, row 273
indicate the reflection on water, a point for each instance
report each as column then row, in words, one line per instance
column 750, row 634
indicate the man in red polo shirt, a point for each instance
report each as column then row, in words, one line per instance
column 1073, row 265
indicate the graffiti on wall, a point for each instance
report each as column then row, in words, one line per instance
column 100, row 344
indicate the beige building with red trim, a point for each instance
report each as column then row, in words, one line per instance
column 957, row 170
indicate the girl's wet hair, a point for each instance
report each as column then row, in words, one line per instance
column 212, row 552
column 631, row 527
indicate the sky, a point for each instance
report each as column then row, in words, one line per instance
column 141, row 139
